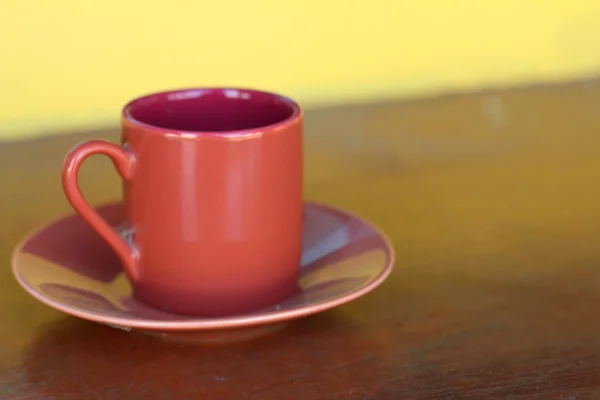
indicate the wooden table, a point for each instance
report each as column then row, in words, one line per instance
column 493, row 205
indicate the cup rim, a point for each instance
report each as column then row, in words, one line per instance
column 295, row 116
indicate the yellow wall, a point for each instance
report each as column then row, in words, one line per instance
column 68, row 64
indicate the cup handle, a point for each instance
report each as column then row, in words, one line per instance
column 123, row 162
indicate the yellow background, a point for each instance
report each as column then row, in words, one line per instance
column 71, row 64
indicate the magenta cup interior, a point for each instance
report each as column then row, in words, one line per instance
column 211, row 110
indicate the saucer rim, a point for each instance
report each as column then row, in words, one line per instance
column 199, row 323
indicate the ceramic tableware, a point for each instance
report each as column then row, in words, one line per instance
column 212, row 184
column 65, row 265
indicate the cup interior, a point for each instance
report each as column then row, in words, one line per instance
column 211, row 110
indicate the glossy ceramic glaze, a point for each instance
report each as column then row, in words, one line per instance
column 213, row 193
column 67, row 266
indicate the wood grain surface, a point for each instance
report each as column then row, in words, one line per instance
column 493, row 205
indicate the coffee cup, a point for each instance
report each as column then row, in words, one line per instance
column 212, row 185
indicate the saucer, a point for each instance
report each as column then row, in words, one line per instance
column 65, row 265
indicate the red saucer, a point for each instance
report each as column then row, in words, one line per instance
column 65, row 265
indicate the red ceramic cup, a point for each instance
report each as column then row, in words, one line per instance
column 213, row 192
